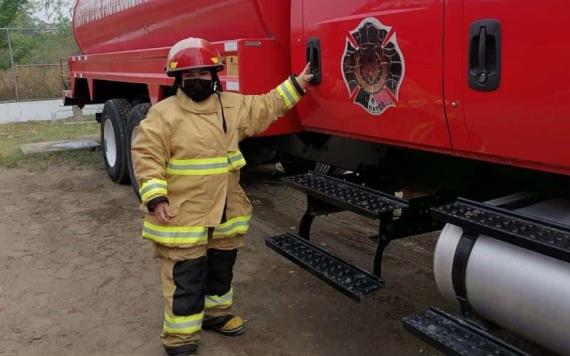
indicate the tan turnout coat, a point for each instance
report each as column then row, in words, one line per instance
column 181, row 152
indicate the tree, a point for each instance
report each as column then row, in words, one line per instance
column 33, row 44
column 9, row 12
column 56, row 12
column 9, row 9
column 29, row 46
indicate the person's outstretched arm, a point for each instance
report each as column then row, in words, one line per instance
column 259, row 111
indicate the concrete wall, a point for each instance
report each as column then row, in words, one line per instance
column 40, row 111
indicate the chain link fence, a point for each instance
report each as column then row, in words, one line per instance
column 33, row 63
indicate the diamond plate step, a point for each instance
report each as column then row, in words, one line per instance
column 350, row 280
column 542, row 236
column 349, row 196
column 454, row 336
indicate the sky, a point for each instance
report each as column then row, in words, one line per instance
column 48, row 16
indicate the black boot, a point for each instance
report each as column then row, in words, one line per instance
column 190, row 349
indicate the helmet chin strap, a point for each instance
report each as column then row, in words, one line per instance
column 177, row 82
column 217, row 90
column 222, row 106
column 217, row 82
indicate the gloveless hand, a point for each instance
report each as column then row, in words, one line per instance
column 305, row 76
column 162, row 212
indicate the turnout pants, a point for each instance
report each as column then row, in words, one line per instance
column 196, row 283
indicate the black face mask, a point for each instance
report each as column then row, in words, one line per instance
column 197, row 89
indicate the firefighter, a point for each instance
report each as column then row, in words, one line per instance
column 187, row 162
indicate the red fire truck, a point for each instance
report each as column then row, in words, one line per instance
column 438, row 112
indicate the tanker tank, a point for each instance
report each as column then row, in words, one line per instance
column 102, row 26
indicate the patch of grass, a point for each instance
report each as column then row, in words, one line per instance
column 15, row 134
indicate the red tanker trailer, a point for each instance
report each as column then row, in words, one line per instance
column 436, row 111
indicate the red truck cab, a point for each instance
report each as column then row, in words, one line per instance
column 518, row 116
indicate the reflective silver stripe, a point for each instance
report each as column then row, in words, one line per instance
column 236, row 158
column 286, row 91
column 197, row 166
column 188, row 324
column 224, row 300
column 152, row 187
column 236, row 225
column 174, row 234
column 174, row 324
column 232, row 226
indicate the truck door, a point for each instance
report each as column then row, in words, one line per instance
column 507, row 80
column 379, row 66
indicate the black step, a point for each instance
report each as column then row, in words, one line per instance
column 349, row 196
column 350, row 280
column 454, row 336
column 533, row 233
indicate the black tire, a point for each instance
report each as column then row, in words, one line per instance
column 138, row 113
column 113, row 142
column 139, row 100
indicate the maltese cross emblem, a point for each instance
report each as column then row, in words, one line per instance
column 373, row 66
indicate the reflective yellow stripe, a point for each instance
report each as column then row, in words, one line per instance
column 288, row 93
column 225, row 300
column 293, row 91
column 206, row 166
column 236, row 160
column 198, row 166
column 182, row 324
column 284, row 97
column 232, row 227
column 152, row 188
column 175, row 235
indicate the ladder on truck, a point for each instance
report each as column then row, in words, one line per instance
column 328, row 195
column 465, row 334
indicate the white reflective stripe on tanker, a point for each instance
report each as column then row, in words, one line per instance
column 182, row 324
column 233, row 226
column 174, row 235
column 198, row 166
column 225, row 300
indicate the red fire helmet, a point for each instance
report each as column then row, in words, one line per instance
column 192, row 53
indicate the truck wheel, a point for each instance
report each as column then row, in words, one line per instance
column 113, row 133
column 138, row 113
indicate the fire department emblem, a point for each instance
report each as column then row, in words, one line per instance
column 373, row 66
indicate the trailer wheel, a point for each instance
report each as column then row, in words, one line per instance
column 138, row 113
column 113, row 133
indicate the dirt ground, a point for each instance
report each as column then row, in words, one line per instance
column 75, row 278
